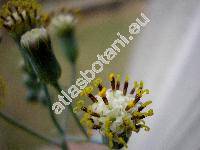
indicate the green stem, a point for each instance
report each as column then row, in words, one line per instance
column 52, row 115
column 58, row 89
column 74, row 73
column 28, row 130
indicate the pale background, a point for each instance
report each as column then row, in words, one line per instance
column 167, row 58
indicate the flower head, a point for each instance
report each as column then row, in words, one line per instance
column 115, row 112
column 19, row 16
column 38, row 48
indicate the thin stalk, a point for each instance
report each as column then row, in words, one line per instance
column 26, row 129
column 58, row 89
column 52, row 115
column 74, row 73
column 30, row 131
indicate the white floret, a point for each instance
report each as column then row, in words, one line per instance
column 116, row 108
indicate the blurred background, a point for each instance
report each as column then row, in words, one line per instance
column 165, row 55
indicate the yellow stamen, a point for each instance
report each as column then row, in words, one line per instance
column 141, row 84
column 130, row 105
column 134, row 87
column 79, row 105
column 102, row 94
column 98, row 83
column 135, row 84
column 87, row 91
column 144, row 105
column 118, row 82
column 146, row 91
column 86, row 121
column 111, row 76
column 125, row 85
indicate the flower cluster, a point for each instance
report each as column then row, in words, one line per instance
column 114, row 112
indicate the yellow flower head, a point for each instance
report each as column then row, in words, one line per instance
column 116, row 112
column 19, row 16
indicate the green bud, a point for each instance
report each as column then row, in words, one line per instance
column 63, row 27
column 38, row 48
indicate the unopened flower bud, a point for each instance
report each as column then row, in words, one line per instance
column 39, row 51
column 63, row 27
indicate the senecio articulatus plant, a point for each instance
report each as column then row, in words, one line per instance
column 114, row 112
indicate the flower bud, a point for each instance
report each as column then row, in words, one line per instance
column 63, row 27
column 39, row 51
